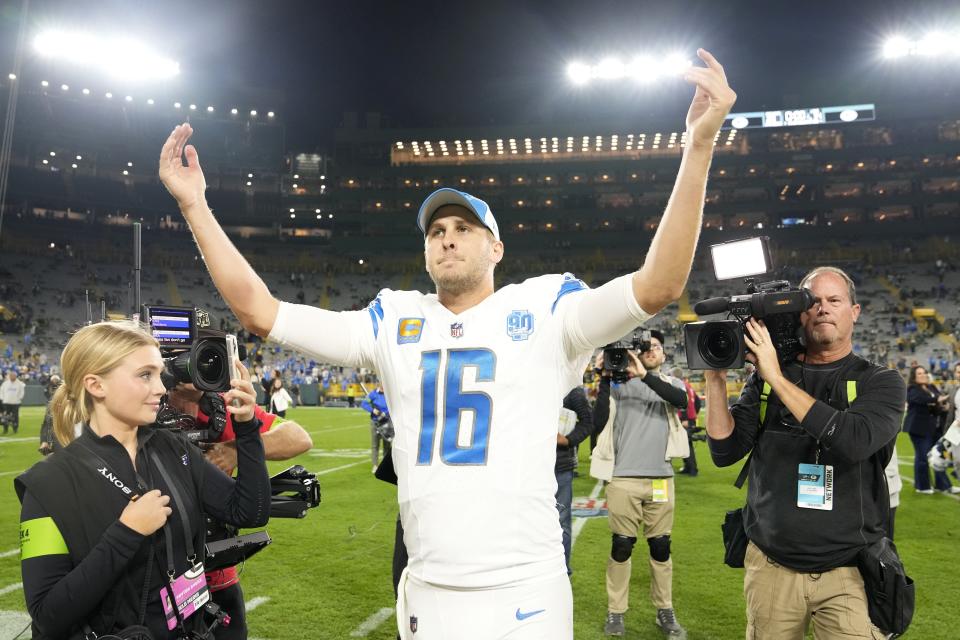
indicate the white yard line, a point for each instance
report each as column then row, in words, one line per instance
column 578, row 523
column 5, row 439
column 253, row 603
column 7, row 554
column 346, row 466
column 320, row 432
column 372, row 622
column 910, row 480
column 10, row 588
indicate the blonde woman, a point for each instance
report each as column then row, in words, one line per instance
column 112, row 525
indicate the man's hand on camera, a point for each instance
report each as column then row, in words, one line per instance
column 598, row 366
column 635, row 368
column 224, row 456
column 715, row 375
column 762, row 352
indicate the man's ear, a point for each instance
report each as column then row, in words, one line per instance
column 93, row 384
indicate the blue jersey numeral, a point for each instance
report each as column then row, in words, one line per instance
column 455, row 402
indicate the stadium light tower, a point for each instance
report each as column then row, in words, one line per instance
column 934, row 45
column 643, row 69
column 120, row 57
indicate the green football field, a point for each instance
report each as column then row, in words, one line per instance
column 328, row 576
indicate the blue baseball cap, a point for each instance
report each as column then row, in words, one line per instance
column 446, row 196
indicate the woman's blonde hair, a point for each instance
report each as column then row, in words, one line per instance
column 95, row 349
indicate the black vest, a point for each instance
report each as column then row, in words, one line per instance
column 83, row 503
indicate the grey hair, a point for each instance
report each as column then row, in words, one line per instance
column 851, row 288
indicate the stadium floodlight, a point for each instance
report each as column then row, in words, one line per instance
column 932, row 44
column 85, row 91
column 12, row 76
column 578, row 73
column 896, row 47
column 65, row 87
column 177, row 105
column 270, row 114
column 150, row 101
column 610, row 69
column 193, row 107
column 210, row 109
column 44, row 83
column 643, row 69
column 253, row 113
column 234, row 111
column 120, row 57
column 108, row 95
column 128, row 98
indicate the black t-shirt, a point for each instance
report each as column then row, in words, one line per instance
column 856, row 441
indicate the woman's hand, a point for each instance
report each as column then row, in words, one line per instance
column 147, row 513
column 241, row 399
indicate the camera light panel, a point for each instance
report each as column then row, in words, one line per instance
column 741, row 258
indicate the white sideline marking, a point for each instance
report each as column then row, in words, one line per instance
column 580, row 522
column 13, row 623
column 346, row 466
column 10, row 588
column 339, row 453
column 910, row 480
column 11, row 473
column 320, row 432
column 372, row 622
column 253, row 603
column 7, row 554
column 4, row 439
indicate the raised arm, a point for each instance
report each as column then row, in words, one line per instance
column 666, row 267
column 241, row 287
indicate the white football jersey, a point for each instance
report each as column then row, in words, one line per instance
column 475, row 400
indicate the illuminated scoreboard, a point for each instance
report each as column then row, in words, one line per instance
column 801, row 117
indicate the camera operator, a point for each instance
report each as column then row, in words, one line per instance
column 281, row 441
column 640, row 494
column 819, row 432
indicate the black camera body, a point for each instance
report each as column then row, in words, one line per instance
column 615, row 358
column 192, row 352
column 719, row 344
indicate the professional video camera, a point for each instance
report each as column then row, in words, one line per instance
column 192, row 352
column 719, row 344
column 615, row 358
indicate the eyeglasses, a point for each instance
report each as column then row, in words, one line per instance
column 655, row 347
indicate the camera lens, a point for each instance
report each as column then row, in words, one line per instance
column 718, row 346
column 209, row 364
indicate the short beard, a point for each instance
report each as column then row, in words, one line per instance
column 459, row 283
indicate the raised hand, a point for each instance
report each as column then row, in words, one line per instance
column 148, row 513
column 711, row 102
column 185, row 183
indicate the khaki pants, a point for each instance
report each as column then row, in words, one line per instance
column 632, row 511
column 781, row 602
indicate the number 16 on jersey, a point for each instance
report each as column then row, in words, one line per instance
column 453, row 403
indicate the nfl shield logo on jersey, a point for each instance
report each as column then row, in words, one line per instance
column 456, row 330
column 413, row 624
column 519, row 325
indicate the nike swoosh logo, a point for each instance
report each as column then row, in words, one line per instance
column 524, row 616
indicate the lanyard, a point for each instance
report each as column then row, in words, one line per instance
column 174, row 492
column 184, row 518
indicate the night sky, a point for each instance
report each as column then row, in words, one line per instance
column 432, row 63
